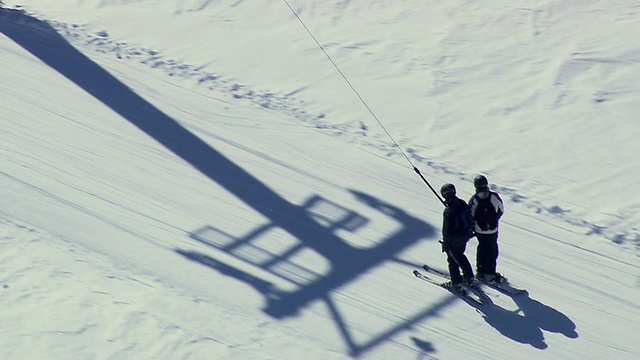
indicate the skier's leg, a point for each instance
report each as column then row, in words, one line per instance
column 466, row 267
column 481, row 255
column 463, row 261
column 492, row 254
column 454, row 269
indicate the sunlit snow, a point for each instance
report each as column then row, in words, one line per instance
column 194, row 179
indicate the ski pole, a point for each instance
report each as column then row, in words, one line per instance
column 429, row 185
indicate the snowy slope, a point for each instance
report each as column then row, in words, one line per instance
column 194, row 179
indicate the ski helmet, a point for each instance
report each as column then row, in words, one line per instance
column 480, row 182
column 448, row 190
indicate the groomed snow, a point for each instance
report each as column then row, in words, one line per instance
column 195, row 179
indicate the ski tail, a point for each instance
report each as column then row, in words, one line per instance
column 505, row 287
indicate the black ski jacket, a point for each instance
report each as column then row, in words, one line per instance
column 454, row 232
column 486, row 212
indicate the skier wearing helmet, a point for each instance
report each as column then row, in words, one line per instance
column 457, row 229
column 486, row 210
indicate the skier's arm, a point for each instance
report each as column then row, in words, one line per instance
column 497, row 203
column 446, row 228
column 473, row 204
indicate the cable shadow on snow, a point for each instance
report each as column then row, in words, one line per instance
column 314, row 231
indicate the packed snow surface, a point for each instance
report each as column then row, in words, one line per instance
column 196, row 179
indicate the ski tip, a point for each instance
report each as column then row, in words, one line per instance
column 416, row 273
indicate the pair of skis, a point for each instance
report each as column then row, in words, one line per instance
column 471, row 293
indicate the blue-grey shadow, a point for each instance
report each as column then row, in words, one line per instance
column 347, row 262
column 527, row 324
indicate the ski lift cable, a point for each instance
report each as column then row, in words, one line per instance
column 375, row 117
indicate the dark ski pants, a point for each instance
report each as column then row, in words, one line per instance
column 458, row 261
column 487, row 253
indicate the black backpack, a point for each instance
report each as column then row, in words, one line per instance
column 486, row 215
column 466, row 221
column 462, row 224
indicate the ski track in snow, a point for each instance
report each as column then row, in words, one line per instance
column 116, row 311
column 287, row 104
column 19, row 239
column 52, row 264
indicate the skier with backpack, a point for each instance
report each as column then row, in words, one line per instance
column 457, row 229
column 486, row 209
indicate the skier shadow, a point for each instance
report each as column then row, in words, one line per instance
column 527, row 324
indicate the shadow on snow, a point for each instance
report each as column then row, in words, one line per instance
column 314, row 225
column 526, row 324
